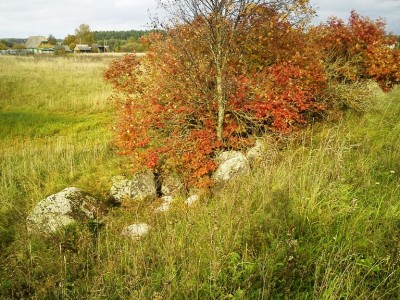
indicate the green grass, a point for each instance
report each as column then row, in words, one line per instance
column 53, row 84
column 319, row 220
column 36, row 124
column 55, row 123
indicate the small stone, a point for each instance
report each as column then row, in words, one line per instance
column 172, row 185
column 192, row 200
column 165, row 206
column 136, row 231
column 167, row 199
column 257, row 153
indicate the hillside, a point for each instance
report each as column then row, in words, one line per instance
column 318, row 220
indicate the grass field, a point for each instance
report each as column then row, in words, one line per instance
column 55, row 123
column 320, row 220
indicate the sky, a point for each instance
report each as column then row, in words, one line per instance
column 23, row 18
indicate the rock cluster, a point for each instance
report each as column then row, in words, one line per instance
column 72, row 205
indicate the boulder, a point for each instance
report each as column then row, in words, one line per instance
column 69, row 206
column 172, row 185
column 141, row 187
column 231, row 165
column 136, row 231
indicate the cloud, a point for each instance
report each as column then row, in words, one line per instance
column 22, row 18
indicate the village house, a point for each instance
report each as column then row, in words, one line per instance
column 39, row 44
column 66, row 48
column 63, row 48
column 99, row 48
column 82, row 48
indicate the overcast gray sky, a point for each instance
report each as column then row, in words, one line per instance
column 23, row 18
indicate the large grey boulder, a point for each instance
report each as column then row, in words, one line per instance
column 231, row 165
column 69, row 206
column 141, row 187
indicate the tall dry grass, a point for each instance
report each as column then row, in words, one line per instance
column 319, row 220
column 55, row 131
column 53, row 83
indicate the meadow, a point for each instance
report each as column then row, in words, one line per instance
column 55, row 125
column 320, row 219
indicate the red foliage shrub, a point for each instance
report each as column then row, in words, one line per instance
column 360, row 49
column 272, row 80
column 168, row 110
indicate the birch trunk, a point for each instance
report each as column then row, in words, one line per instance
column 221, row 104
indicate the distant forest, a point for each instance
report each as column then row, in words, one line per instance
column 119, row 35
column 9, row 42
column 122, row 41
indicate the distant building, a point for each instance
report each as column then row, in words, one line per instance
column 82, row 48
column 63, row 48
column 34, row 42
column 66, row 48
column 39, row 44
column 99, row 48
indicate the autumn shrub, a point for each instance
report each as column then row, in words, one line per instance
column 217, row 80
column 172, row 101
column 281, row 76
column 359, row 50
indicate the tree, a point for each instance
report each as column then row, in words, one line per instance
column 7, row 42
column 114, row 44
column 83, row 35
column 221, row 23
column 69, row 40
column 201, row 88
column 133, row 45
column 52, row 40
column 3, row 46
column 19, row 46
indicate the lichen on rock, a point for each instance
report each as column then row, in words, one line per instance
column 232, row 164
column 140, row 187
column 67, row 207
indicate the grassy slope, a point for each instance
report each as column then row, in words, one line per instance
column 320, row 220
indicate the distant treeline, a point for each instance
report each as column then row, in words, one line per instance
column 116, row 41
column 122, row 41
column 119, row 35
column 11, row 42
